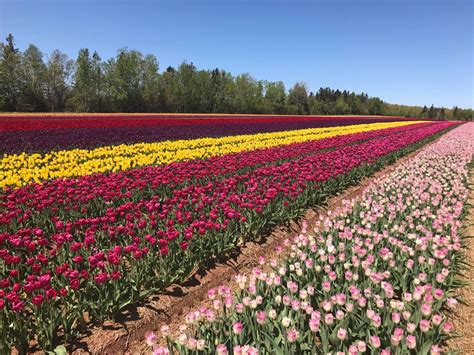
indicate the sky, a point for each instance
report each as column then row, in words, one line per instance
column 415, row 52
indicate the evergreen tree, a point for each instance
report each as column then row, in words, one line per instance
column 83, row 90
column 97, row 83
column 9, row 74
column 424, row 112
column 455, row 112
column 432, row 112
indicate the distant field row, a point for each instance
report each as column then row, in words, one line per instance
column 26, row 122
column 158, row 115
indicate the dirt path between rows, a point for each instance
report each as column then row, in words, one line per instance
column 464, row 314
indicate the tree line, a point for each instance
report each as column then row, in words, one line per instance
column 132, row 82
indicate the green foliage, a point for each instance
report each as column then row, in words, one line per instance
column 58, row 80
column 85, row 93
column 131, row 82
column 298, row 99
column 275, row 97
column 32, row 76
column 9, row 75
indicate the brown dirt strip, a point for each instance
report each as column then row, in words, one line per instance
column 463, row 317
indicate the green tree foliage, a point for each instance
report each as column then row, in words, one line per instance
column 432, row 112
column 298, row 99
column 83, row 89
column 97, row 82
column 58, row 80
column 10, row 60
column 374, row 106
column 341, row 106
column 248, row 96
column 131, row 82
column 441, row 113
column 275, row 97
column 455, row 112
column 221, row 84
column 185, row 89
column 150, row 85
column 32, row 81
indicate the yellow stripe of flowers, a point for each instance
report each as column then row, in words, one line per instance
column 21, row 169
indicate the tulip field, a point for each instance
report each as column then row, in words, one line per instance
column 98, row 212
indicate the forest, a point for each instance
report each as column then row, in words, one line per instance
column 132, row 81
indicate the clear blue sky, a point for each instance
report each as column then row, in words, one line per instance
column 404, row 51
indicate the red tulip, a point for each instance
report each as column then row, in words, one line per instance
column 51, row 294
column 74, row 284
column 37, row 300
column 17, row 306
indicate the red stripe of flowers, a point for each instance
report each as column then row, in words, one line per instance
column 28, row 123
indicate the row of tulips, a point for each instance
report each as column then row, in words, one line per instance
column 375, row 276
column 12, row 123
column 35, row 135
column 21, row 169
column 97, row 265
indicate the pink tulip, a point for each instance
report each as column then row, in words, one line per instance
column 292, row 335
column 261, row 316
column 411, row 342
column 221, row 349
column 238, row 328
column 341, row 334
column 375, row 341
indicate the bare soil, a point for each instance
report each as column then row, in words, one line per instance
column 463, row 317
